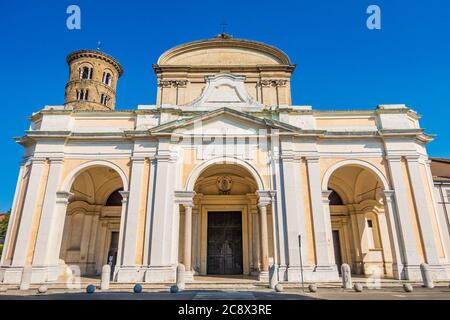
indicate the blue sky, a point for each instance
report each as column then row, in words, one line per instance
column 340, row 63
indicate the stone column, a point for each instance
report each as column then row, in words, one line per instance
column 320, row 209
column 255, row 240
column 55, row 241
column 264, row 201
column 163, row 246
column 50, row 219
column 264, row 238
column 403, row 216
column 28, row 212
column 185, row 198
column 294, row 215
column 123, row 213
column 419, row 188
column 132, row 215
column 196, row 239
column 187, row 246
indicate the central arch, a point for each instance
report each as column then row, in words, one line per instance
column 190, row 183
column 226, row 229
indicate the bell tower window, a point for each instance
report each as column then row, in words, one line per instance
column 107, row 78
column 85, row 73
column 104, row 99
column 82, row 94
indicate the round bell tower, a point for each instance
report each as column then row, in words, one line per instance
column 93, row 77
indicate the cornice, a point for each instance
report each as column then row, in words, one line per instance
column 225, row 42
column 95, row 54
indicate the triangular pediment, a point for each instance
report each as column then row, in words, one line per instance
column 222, row 121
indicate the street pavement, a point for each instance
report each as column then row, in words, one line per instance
column 395, row 293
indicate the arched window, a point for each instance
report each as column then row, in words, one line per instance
column 335, row 199
column 104, row 99
column 115, row 198
column 107, row 78
column 85, row 73
column 82, row 94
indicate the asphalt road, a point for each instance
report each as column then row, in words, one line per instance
column 440, row 293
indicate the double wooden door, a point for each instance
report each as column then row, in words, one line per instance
column 224, row 243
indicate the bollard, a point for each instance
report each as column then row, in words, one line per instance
column 273, row 276
column 426, row 276
column 180, row 276
column 358, row 287
column 279, row 287
column 174, row 289
column 106, row 275
column 346, row 276
column 312, row 288
column 90, row 288
column 407, row 287
column 137, row 288
column 26, row 278
column 42, row 289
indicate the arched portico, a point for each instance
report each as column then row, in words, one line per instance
column 224, row 223
column 93, row 223
column 362, row 229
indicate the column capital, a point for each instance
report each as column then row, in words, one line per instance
column 412, row 158
column 389, row 195
column 138, row 159
column 185, row 198
column 393, row 158
column 265, row 197
column 166, row 156
column 63, row 197
column 325, row 196
column 56, row 160
column 124, row 195
column 38, row 160
column 312, row 158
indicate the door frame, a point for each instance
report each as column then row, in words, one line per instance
column 220, row 208
column 240, row 256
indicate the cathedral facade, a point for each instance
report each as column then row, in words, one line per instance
column 223, row 174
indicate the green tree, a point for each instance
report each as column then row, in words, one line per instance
column 4, row 225
column 3, row 228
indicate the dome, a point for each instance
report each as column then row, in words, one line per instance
column 224, row 50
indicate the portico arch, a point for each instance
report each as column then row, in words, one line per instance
column 68, row 181
column 362, row 235
column 197, row 171
column 90, row 235
column 354, row 162
column 223, row 195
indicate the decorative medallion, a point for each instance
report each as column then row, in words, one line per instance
column 224, row 185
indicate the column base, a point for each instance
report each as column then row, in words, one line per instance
column 39, row 274
column 294, row 273
column 43, row 274
column 397, row 271
column 263, row 276
column 160, row 274
column 128, row 274
column 11, row 275
column 440, row 271
column 189, row 276
column 282, row 273
column 413, row 273
column 325, row 273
